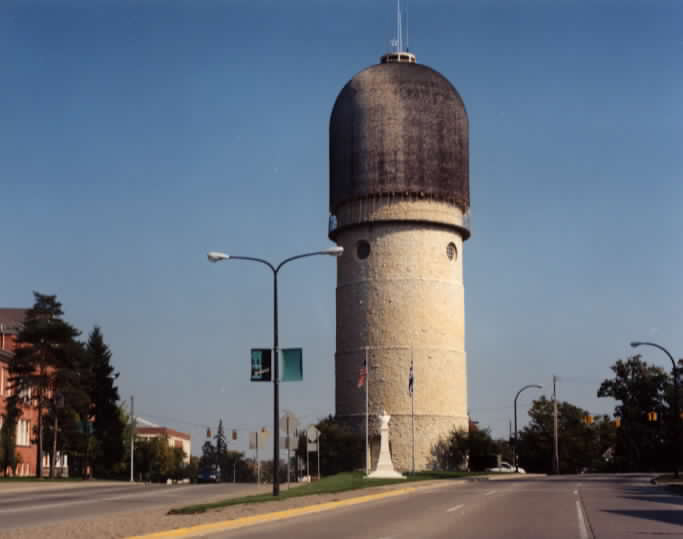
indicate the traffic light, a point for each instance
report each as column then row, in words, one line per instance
column 588, row 420
column 261, row 365
column 208, row 433
column 617, row 422
column 652, row 416
column 234, row 434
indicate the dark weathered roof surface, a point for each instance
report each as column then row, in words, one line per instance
column 12, row 319
column 399, row 128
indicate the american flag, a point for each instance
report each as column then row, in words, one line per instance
column 411, row 379
column 363, row 374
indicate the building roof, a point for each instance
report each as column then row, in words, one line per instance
column 399, row 129
column 11, row 319
column 162, row 431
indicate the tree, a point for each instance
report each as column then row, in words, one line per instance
column 467, row 449
column 208, row 458
column 8, row 435
column 68, row 406
column 341, row 449
column 641, row 388
column 581, row 444
column 42, row 349
column 221, row 451
column 104, row 412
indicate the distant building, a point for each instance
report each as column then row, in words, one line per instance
column 11, row 322
column 176, row 439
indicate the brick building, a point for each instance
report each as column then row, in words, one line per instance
column 176, row 439
column 11, row 321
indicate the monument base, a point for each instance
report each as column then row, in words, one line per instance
column 386, row 474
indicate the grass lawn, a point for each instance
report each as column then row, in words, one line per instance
column 336, row 483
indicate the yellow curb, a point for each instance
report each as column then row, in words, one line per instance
column 269, row 517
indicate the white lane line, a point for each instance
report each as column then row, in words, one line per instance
column 456, row 508
column 583, row 531
column 576, row 492
column 490, row 492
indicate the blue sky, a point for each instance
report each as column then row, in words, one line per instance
column 135, row 136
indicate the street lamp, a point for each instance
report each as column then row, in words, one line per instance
column 514, row 448
column 677, row 415
column 217, row 257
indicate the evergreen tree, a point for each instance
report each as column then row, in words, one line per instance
column 42, row 349
column 104, row 395
column 221, row 449
column 68, row 407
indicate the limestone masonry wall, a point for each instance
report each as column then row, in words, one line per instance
column 403, row 301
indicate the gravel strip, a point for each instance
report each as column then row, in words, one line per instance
column 154, row 520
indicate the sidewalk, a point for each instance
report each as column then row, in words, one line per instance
column 47, row 484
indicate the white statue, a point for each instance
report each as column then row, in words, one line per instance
column 385, row 468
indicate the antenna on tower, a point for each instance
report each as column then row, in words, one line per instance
column 407, row 44
column 399, row 26
column 399, row 53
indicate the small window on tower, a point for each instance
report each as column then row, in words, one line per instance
column 362, row 249
column 452, row 251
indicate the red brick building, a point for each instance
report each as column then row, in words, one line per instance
column 11, row 321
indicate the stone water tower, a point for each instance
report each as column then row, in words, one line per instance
column 399, row 205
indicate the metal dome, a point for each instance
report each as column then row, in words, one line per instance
column 399, row 128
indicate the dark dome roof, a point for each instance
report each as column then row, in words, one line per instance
column 399, row 128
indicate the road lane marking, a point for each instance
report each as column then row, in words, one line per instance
column 205, row 529
column 583, row 531
column 456, row 508
column 576, row 492
column 490, row 492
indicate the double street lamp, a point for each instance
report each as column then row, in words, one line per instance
column 217, row 257
column 514, row 447
column 676, row 408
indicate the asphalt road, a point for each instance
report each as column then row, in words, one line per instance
column 25, row 507
column 568, row 507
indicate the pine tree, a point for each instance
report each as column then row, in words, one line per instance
column 8, row 435
column 104, row 395
column 221, row 449
column 42, row 349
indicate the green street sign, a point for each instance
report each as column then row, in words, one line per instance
column 292, row 365
column 261, row 365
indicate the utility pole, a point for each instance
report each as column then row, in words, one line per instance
column 556, row 448
column 132, row 437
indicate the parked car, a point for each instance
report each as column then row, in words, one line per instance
column 506, row 467
column 207, row 476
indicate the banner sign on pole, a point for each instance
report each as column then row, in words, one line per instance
column 292, row 365
column 261, row 363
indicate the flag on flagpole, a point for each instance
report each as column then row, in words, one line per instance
column 411, row 379
column 363, row 374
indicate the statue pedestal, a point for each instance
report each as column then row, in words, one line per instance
column 385, row 468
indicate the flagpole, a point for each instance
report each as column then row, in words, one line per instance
column 412, row 406
column 367, row 415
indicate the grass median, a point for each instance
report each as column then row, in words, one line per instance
column 342, row 482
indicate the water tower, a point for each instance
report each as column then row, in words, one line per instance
column 399, row 205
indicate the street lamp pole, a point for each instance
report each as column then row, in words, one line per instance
column 676, row 408
column 514, row 448
column 217, row 257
